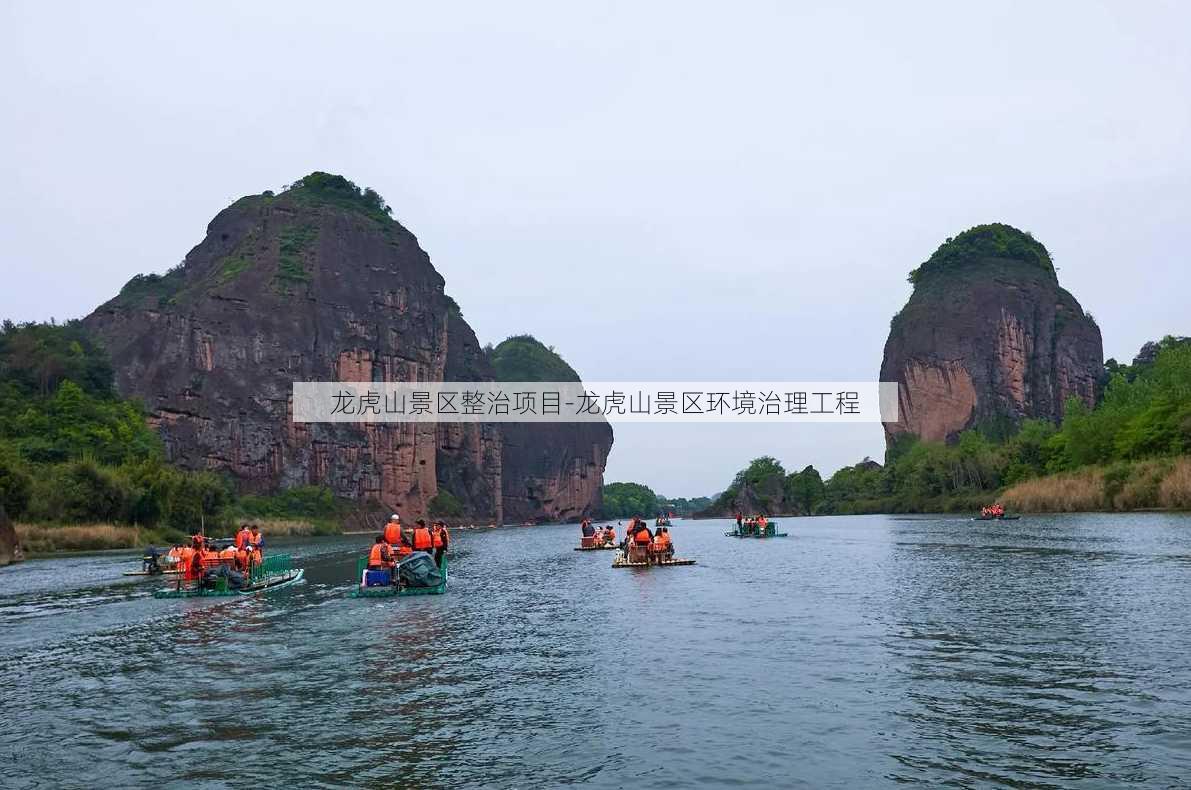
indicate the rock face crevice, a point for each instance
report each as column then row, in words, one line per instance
column 307, row 285
column 987, row 339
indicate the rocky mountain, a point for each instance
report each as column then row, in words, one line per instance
column 315, row 283
column 988, row 338
column 552, row 471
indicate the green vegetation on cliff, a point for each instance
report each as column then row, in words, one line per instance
column 525, row 358
column 984, row 243
column 73, row 452
column 765, row 487
column 1130, row 451
column 1145, row 414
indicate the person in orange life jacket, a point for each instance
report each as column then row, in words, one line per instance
column 380, row 557
column 242, row 537
column 641, row 534
column 254, row 555
column 242, row 559
column 441, row 539
column 587, row 530
column 256, row 538
column 186, row 561
column 609, row 535
column 423, row 541
column 392, row 531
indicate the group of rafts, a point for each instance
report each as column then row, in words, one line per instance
column 640, row 548
column 400, row 562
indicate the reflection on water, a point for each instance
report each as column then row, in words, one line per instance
column 1049, row 652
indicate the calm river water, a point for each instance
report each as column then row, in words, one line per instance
column 858, row 652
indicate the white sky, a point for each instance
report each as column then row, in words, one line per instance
column 677, row 191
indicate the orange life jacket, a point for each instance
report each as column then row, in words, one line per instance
column 437, row 536
column 611, row 535
column 403, row 550
column 376, row 557
column 242, row 537
column 392, row 534
column 422, row 539
column 642, row 536
column 255, row 538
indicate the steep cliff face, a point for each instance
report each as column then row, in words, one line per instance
column 988, row 338
column 316, row 283
column 552, row 472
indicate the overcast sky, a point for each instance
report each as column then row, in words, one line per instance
column 662, row 191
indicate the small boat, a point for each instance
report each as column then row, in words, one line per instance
column 392, row 590
column 276, row 571
column 641, row 559
column 770, row 531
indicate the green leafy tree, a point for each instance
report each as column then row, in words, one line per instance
column 806, row 490
column 624, row 500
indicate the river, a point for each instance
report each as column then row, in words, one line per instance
column 859, row 652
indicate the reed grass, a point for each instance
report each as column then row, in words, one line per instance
column 282, row 527
column 1174, row 492
column 1069, row 492
column 1138, row 485
column 45, row 539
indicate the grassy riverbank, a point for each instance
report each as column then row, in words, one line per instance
column 1159, row 484
column 41, row 539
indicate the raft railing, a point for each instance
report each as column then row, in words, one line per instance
column 272, row 565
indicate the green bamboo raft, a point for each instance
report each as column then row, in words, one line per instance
column 274, row 572
column 770, row 532
column 392, row 590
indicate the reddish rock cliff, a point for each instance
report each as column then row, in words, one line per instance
column 552, row 472
column 988, row 338
column 316, row 283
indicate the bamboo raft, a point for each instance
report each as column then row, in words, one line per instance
column 275, row 572
column 735, row 534
column 605, row 547
column 770, row 531
column 622, row 561
column 393, row 590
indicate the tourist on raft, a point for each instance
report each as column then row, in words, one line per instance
column 423, row 540
column 441, row 539
column 380, row 558
column 642, row 537
column 663, row 548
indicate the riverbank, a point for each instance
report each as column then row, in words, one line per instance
column 49, row 539
column 1159, row 484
